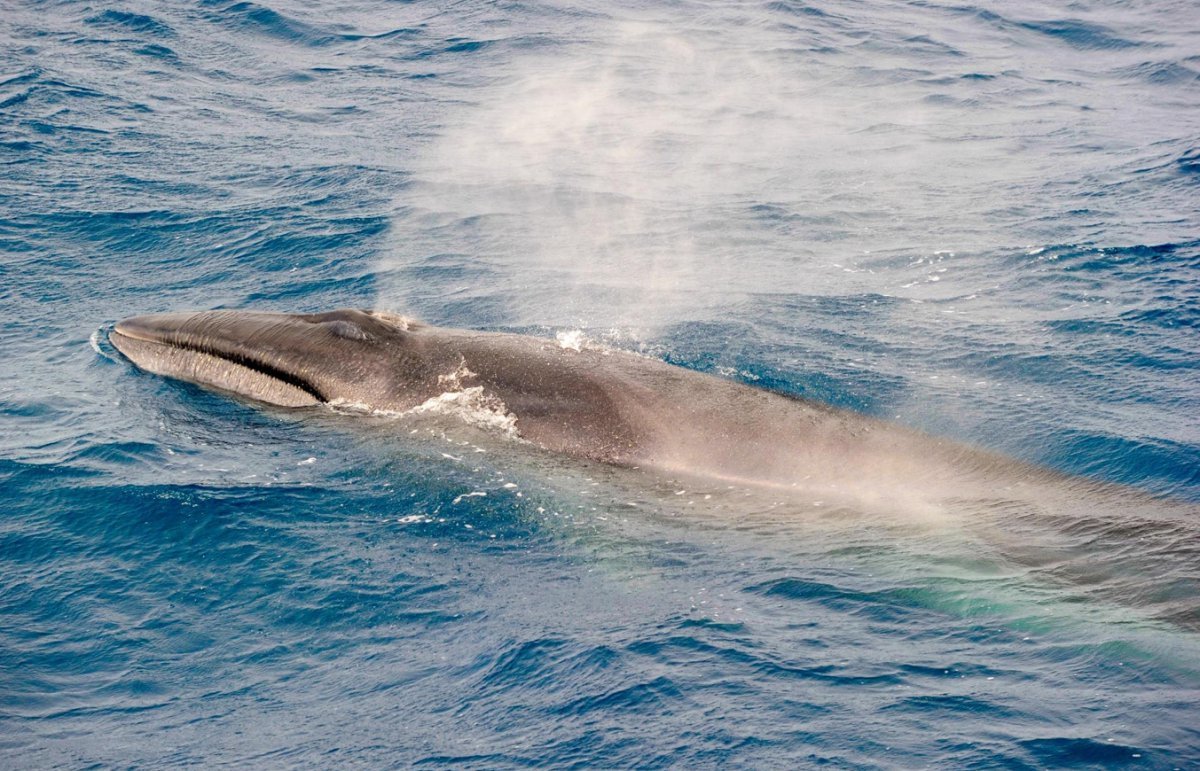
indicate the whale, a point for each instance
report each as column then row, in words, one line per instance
column 596, row 403
column 645, row 425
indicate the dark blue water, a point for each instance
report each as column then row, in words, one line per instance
column 981, row 223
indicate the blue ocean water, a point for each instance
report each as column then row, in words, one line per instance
column 983, row 223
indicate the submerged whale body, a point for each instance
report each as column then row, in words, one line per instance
column 632, row 411
column 606, row 405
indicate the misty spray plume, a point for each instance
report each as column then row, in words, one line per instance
column 612, row 179
column 658, row 169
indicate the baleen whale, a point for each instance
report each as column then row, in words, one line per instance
column 605, row 405
column 674, row 424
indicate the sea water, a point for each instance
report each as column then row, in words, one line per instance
column 980, row 222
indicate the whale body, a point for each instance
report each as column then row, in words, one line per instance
column 1109, row 541
column 605, row 405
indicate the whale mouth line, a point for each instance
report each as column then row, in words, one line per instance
column 240, row 359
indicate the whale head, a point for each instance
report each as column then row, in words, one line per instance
column 368, row 358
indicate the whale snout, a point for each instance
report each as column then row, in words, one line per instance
column 149, row 328
column 244, row 354
column 280, row 358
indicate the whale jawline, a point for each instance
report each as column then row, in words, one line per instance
column 252, row 363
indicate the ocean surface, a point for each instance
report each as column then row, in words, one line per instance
column 983, row 223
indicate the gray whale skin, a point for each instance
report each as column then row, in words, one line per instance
column 605, row 405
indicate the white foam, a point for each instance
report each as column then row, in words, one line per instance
column 345, row 405
column 473, row 406
column 455, row 379
column 572, row 340
column 396, row 319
